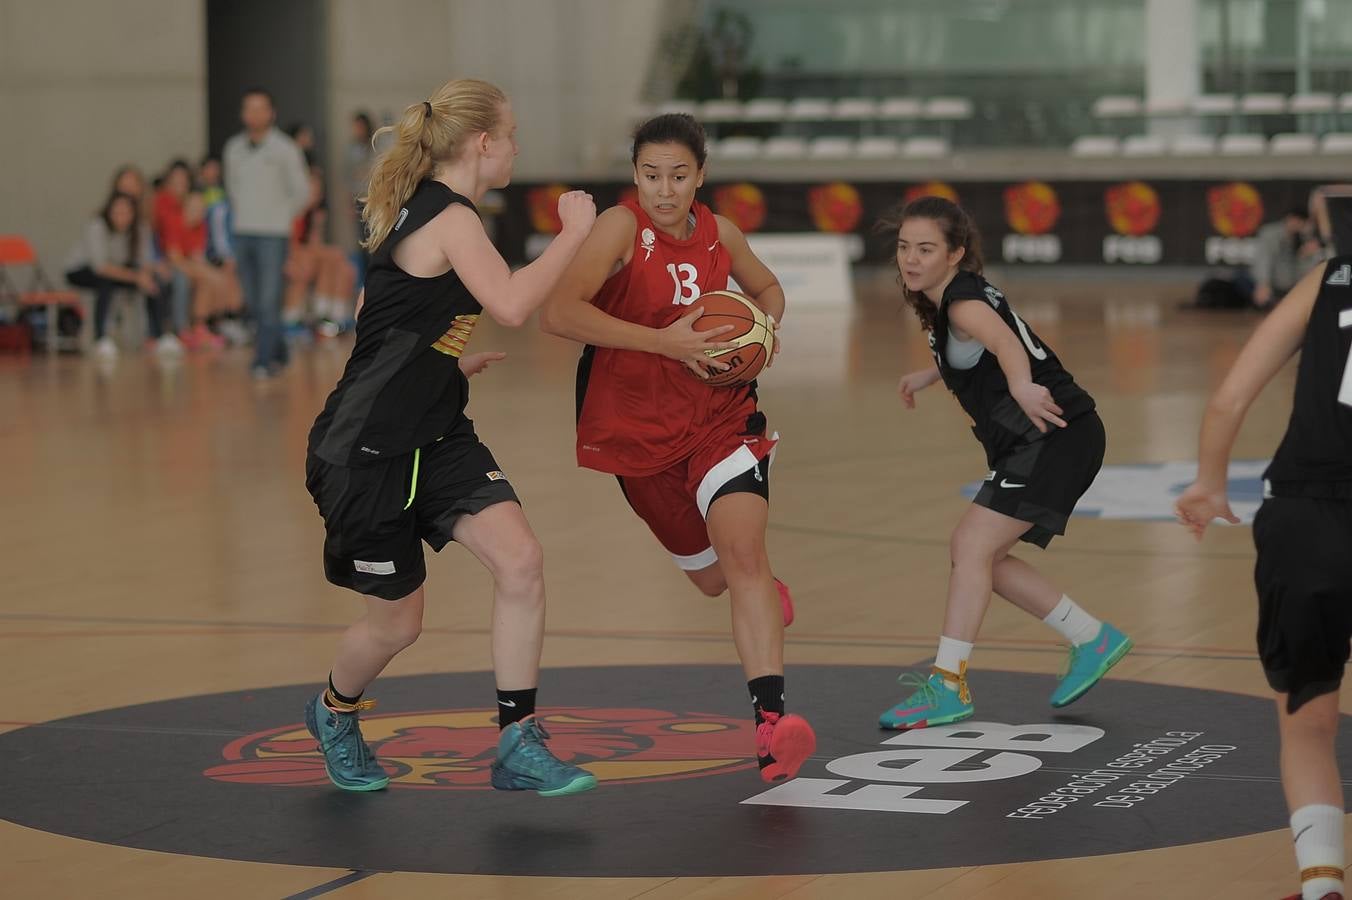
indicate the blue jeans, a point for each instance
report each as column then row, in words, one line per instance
column 259, row 259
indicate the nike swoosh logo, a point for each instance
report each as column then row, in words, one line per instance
column 1066, row 616
column 1103, row 646
column 712, row 246
column 913, row 709
column 1004, row 483
column 1302, row 831
column 507, row 703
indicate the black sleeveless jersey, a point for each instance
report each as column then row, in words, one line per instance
column 1315, row 456
column 402, row 387
column 998, row 422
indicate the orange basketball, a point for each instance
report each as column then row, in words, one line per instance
column 751, row 332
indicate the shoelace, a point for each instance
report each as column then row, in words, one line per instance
column 923, row 689
column 533, row 737
column 765, row 731
column 926, row 689
column 347, row 723
column 1071, row 659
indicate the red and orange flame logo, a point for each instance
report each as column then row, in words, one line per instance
column 930, row 189
column 742, row 203
column 1132, row 208
column 1236, row 209
column 1032, row 207
column 835, row 207
column 543, row 203
column 454, row 750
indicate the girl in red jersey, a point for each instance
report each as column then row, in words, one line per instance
column 692, row 460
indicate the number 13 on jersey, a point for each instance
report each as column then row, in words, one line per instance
column 687, row 288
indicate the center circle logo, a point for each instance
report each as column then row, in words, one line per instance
column 1131, row 766
column 453, row 750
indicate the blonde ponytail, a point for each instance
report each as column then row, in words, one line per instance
column 427, row 134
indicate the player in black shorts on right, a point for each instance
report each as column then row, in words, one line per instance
column 1044, row 445
column 1303, row 533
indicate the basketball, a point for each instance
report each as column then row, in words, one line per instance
column 751, row 332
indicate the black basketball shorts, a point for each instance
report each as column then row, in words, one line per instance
column 376, row 517
column 1040, row 482
column 1304, row 580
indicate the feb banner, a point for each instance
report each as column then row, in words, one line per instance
column 1127, row 223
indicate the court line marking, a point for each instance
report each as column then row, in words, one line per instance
column 207, row 627
column 695, row 638
column 320, row 890
column 1060, row 548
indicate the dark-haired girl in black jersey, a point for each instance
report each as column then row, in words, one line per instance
column 1044, row 444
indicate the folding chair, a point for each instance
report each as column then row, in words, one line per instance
column 15, row 250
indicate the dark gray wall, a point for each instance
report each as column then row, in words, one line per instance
column 279, row 45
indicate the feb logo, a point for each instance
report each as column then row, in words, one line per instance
column 742, row 203
column 1132, row 208
column 1032, row 207
column 835, row 207
column 930, row 189
column 1032, row 210
column 1236, row 209
column 454, row 749
column 1133, row 211
column 889, row 780
column 543, row 203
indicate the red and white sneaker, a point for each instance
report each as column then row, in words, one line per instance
column 783, row 744
column 785, row 602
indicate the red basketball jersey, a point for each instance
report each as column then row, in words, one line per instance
column 640, row 412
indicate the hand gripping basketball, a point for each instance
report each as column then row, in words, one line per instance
column 682, row 342
column 752, row 336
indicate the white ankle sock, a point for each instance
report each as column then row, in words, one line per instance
column 1073, row 623
column 952, row 655
column 1318, row 832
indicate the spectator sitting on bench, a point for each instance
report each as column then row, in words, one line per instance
column 114, row 254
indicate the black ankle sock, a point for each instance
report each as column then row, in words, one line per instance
column 767, row 694
column 342, row 698
column 513, row 706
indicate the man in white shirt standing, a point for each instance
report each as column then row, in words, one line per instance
column 268, row 187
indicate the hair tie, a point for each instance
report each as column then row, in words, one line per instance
column 427, row 107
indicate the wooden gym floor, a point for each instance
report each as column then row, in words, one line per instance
column 158, row 543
